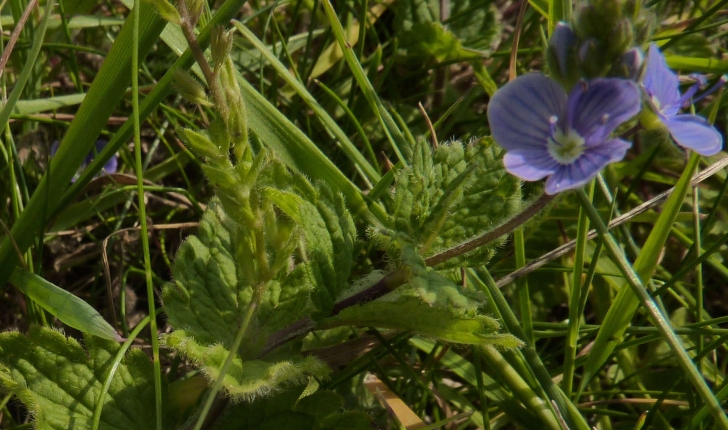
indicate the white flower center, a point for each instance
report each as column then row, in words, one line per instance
column 565, row 147
column 655, row 103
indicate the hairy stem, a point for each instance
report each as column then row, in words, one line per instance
column 212, row 394
column 492, row 235
column 189, row 32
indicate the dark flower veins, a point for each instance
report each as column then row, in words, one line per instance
column 566, row 138
column 662, row 87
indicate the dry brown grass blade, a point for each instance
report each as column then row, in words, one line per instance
column 14, row 36
column 396, row 408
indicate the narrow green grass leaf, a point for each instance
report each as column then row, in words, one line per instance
column 625, row 305
column 494, row 390
column 75, row 23
column 484, row 282
column 541, row 6
column 28, row 68
column 351, row 151
column 100, row 102
column 638, row 289
column 71, row 310
column 697, row 64
column 29, row 107
column 394, row 134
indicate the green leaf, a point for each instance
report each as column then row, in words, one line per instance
column 60, row 382
column 71, row 310
column 475, row 23
column 211, row 293
column 697, row 64
column 209, row 297
column 250, row 379
column 431, row 41
column 328, row 228
column 433, row 288
column 411, row 314
column 626, row 302
column 450, row 195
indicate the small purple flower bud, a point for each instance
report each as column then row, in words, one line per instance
column 561, row 55
column 566, row 138
column 662, row 87
column 632, row 62
column 109, row 168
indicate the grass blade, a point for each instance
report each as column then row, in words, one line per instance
column 68, row 308
column 638, row 290
column 372, row 175
column 102, row 98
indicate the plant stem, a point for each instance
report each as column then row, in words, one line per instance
column 490, row 236
column 524, row 296
column 189, row 32
column 653, row 311
column 575, row 298
column 143, row 215
column 231, row 355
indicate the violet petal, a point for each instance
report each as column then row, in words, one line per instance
column 587, row 166
column 519, row 113
column 530, row 164
column 598, row 107
column 694, row 132
column 661, row 82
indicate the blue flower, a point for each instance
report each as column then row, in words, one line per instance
column 109, row 168
column 567, row 138
column 688, row 131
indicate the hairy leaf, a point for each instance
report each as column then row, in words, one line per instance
column 411, row 314
column 448, row 196
column 328, row 228
column 208, row 298
column 60, row 382
column 250, row 379
column 214, row 287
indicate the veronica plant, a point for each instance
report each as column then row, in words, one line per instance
column 566, row 138
column 662, row 87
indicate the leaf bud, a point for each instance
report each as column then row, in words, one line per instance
column 189, row 88
column 220, row 45
column 200, row 144
column 219, row 135
column 561, row 55
column 167, row 11
column 194, row 7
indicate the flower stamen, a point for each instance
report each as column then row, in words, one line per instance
column 565, row 147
